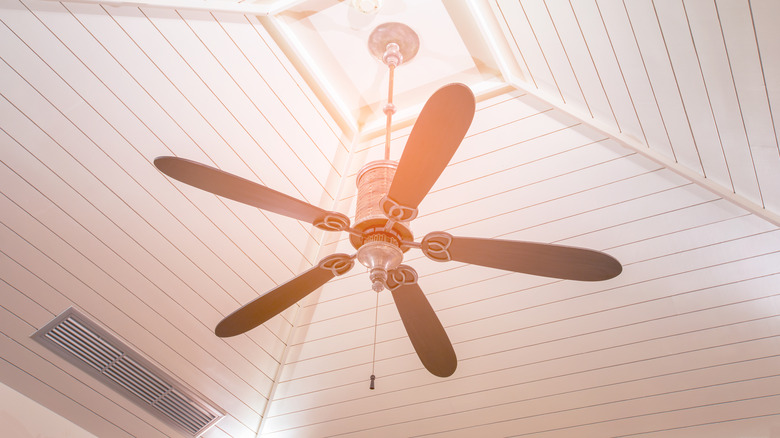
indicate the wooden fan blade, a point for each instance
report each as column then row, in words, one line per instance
column 428, row 337
column 242, row 190
column 277, row 300
column 436, row 135
column 556, row 261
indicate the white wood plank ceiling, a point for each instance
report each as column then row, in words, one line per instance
column 644, row 129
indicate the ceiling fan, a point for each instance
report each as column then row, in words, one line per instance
column 388, row 196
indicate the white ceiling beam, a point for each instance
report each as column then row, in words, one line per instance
column 408, row 115
column 202, row 5
column 647, row 152
column 489, row 28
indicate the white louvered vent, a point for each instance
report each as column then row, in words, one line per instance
column 74, row 337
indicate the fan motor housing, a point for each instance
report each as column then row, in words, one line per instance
column 373, row 183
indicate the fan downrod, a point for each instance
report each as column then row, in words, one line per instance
column 379, row 240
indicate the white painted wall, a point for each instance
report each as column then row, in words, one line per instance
column 20, row 417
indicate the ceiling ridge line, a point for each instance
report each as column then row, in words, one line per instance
column 356, row 138
column 647, row 152
column 289, row 44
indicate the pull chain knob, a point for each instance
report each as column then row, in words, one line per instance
column 378, row 277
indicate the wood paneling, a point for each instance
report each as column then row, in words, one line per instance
column 683, row 343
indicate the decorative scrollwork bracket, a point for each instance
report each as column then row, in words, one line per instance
column 436, row 246
column 400, row 276
column 339, row 264
column 333, row 221
column 395, row 211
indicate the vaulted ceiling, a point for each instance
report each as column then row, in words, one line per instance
column 644, row 129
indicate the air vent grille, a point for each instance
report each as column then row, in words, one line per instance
column 90, row 347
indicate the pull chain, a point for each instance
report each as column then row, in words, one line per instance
column 392, row 58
